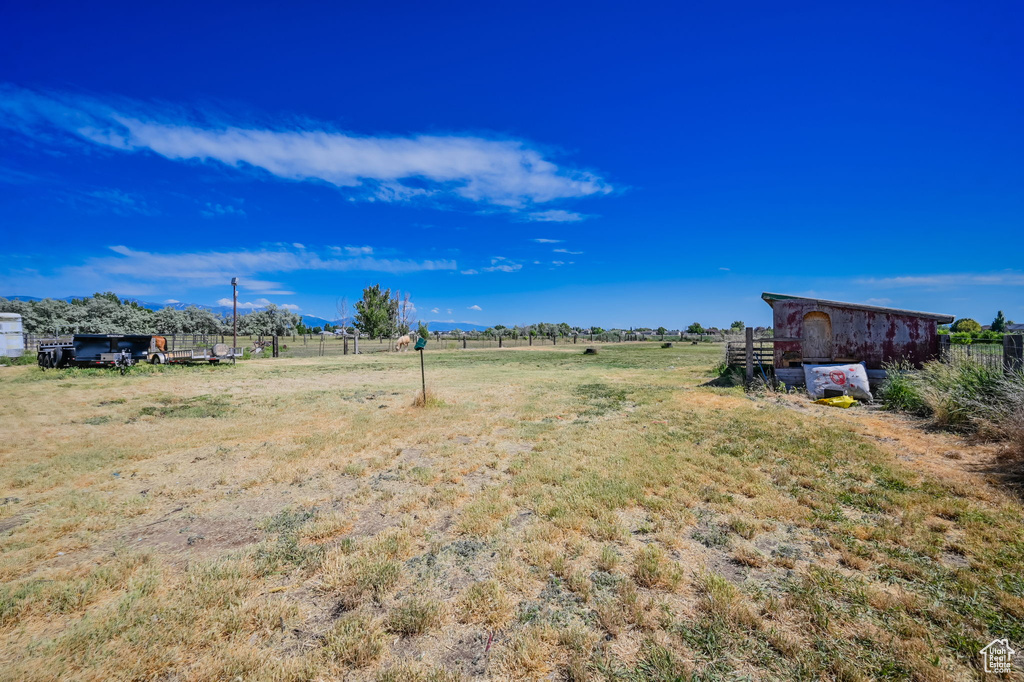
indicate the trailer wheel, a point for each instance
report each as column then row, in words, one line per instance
column 156, row 359
column 43, row 358
column 58, row 357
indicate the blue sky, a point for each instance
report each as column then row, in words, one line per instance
column 595, row 163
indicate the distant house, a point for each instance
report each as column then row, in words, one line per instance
column 816, row 331
column 1015, row 328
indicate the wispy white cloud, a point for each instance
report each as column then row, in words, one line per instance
column 117, row 202
column 556, row 216
column 255, row 304
column 878, row 301
column 215, row 210
column 571, row 253
column 352, row 250
column 133, row 272
column 725, row 269
column 172, row 300
column 474, row 307
column 548, row 241
column 502, row 264
column 297, row 245
column 435, row 311
column 1005, row 278
column 502, row 172
column 471, row 271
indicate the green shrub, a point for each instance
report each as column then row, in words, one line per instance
column 961, row 395
column 966, row 324
column 901, row 392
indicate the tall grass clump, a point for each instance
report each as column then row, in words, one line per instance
column 962, row 395
column 901, row 391
column 1001, row 415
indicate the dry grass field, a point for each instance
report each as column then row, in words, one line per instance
column 548, row 515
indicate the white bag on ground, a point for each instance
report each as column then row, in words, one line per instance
column 851, row 379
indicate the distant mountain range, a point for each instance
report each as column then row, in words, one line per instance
column 308, row 320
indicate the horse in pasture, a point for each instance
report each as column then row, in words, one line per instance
column 402, row 343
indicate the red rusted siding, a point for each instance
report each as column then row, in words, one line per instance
column 858, row 335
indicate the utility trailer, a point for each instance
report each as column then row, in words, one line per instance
column 219, row 351
column 108, row 350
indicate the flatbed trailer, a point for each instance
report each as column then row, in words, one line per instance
column 107, row 350
column 213, row 355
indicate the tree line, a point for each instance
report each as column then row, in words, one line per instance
column 379, row 313
column 106, row 313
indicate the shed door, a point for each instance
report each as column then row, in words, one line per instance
column 817, row 338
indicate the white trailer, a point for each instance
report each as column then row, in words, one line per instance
column 12, row 339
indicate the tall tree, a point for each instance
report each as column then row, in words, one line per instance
column 342, row 308
column 406, row 313
column 999, row 324
column 376, row 312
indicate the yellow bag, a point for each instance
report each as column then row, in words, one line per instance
column 843, row 401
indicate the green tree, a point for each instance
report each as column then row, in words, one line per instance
column 597, row 330
column 737, row 327
column 268, row 322
column 423, row 331
column 695, row 328
column 376, row 312
column 966, row 324
column 999, row 324
column 662, row 331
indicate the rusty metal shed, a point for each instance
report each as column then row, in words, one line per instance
column 812, row 330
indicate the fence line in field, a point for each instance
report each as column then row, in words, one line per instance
column 325, row 344
column 996, row 355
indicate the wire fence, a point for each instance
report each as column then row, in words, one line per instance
column 319, row 345
column 326, row 344
column 995, row 355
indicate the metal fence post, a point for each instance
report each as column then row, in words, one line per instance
column 1013, row 352
column 750, row 354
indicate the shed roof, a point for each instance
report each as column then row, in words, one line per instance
column 938, row 317
column 1015, row 327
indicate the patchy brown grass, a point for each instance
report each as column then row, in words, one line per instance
column 551, row 515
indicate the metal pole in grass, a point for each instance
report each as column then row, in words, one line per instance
column 234, row 324
column 420, row 344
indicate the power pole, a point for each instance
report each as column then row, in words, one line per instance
column 234, row 322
